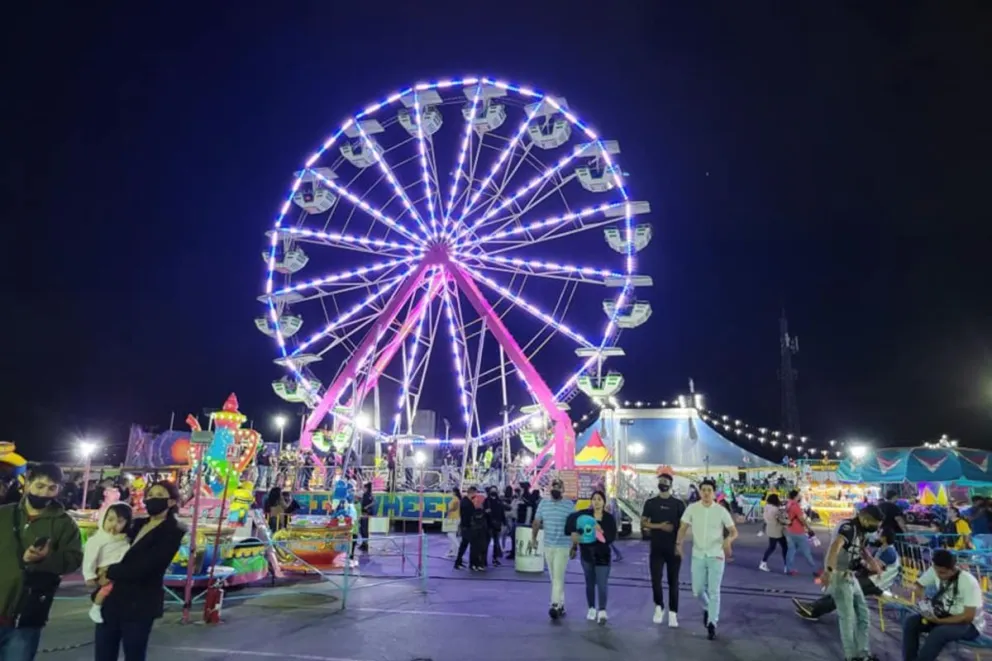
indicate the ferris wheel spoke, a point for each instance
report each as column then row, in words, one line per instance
column 391, row 178
column 497, row 166
column 529, row 230
column 424, row 166
column 457, row 351
column 523, row 190
column 353, row 242
column 525, row 305
column 345, row 277
column 383, row 289
column 377, row 214
column 462, row 153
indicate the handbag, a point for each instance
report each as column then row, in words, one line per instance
column 37, row 588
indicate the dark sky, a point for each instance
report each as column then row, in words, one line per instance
column 828, row 159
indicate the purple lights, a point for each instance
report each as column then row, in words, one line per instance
column 404, row 273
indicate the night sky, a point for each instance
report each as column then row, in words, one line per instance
column 830, row 160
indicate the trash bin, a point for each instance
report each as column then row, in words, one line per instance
column 528, row 561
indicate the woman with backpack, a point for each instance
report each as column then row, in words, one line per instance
column 775, row 521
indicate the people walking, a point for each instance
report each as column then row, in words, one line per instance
column 775, row 520
column 844, row 558
column 797, row 535
column 452, row 522
column 661, row 516
column 551, row 517
column 593, row 531
column 713, row 534
column 495, row 519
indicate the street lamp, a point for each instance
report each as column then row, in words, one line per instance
column 637, row 449
column 858, row 452
column 362, row 421
column 86, row 450
column 419, row 457
column 280, row 422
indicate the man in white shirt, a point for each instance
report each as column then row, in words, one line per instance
column 713, row 533
column 953, row 613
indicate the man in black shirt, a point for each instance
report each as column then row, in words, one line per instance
column 892, row 517
column 661, row 516
column 368, row 510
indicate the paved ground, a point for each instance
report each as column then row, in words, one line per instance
column 500, row 615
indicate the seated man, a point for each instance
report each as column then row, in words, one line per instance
column 953, row 613
column 876, row 575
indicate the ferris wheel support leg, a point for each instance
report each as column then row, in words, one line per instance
column 389, row 352
column 336, row 389
column 563, row 437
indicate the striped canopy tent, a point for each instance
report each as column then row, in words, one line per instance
column 960, row 465
column 594, row 454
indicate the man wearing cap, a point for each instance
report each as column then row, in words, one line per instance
column 551, row 516
column 661, row 516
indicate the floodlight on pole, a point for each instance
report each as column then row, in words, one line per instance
column 280, row 422
column 637, row 449
column 858, row 451
column 362, row 421
column 86, row 449
column 419, row 457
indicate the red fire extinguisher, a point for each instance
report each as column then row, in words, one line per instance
column 213, row 604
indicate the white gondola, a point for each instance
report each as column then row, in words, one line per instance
column 554, row 133
column 488, row 116
column 313, row 195
column 605, row 387
column 598, row 179
column 642, row 237
column 360, row 154
column 430, row 120
column 631, row 316
column 298, row 361
column 294, row 260
column 289, row 325
column 294, row 391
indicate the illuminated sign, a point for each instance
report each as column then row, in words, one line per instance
column 403, row 505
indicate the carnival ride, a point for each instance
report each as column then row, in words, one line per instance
column 11, row 463
column 422, row 248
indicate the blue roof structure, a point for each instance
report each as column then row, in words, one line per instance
column 674, row 436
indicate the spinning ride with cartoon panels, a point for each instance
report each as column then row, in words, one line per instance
column 468, row 233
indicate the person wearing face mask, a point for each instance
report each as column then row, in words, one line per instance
column 954, row 612
column 661, row 516
column 551, row 517
column 39, row 543
column 130, row 610
column 845, row 558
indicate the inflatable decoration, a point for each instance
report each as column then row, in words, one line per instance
column 11, row 463
column 231, row 450
column 138, row 486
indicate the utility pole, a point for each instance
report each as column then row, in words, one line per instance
column 787, row 374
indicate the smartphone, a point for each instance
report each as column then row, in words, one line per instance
column 40, row 543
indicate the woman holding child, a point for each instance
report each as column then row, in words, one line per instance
column 132, row 590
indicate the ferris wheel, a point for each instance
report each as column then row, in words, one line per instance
column 469, row 238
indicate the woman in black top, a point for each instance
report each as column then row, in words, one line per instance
column 137, row 597
column 592, row 531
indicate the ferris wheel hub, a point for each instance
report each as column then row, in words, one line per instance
column 437, row 252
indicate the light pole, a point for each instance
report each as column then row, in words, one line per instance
column 280, row 422
column 86, row 450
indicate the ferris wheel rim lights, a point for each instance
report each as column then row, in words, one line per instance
column 460, row 237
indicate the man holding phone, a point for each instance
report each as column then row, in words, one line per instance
column 39, row 543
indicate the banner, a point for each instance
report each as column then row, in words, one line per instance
column 151, row 450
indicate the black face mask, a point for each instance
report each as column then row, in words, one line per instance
column 155, row 506
column 556, row 494
column 39, row 502
column 664, row 487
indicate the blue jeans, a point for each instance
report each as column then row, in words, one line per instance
column 19, row 644
column 707, row 576
column 597, row 577
column 938, row 635
column 852, row 615
column 798, row 542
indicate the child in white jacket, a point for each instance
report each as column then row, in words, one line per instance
column 105, row 547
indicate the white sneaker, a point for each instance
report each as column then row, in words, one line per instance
column 761, row 533
column 673, row 620
column 591, row 615
column 602, row 617
column 763, row 566
column 95, row 614
column 659, row 615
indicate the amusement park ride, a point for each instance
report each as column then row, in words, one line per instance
column 481, row 244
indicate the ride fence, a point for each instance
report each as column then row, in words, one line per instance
column 332, row 566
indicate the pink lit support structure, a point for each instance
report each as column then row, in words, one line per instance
column 389, row 314
column 563, row 438
column 389, row 352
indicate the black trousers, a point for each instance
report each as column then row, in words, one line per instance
column 497, row 549
column 659, row 561
column 477, row 547
column 113, row 635
column 466, row 537
column 776, row 541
